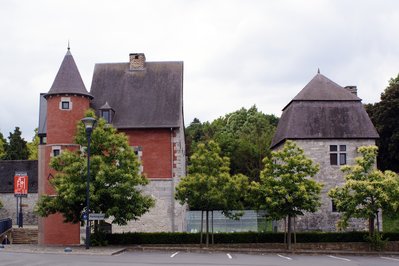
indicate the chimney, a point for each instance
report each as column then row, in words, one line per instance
column 352, row 89
column 137, row 61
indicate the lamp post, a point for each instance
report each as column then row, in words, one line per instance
column 89, row 123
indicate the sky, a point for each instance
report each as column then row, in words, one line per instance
column 236, row 53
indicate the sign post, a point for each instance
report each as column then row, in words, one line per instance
column 20, row 191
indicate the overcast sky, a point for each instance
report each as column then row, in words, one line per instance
column 236, row 53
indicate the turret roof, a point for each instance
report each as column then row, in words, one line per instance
column 68, row 79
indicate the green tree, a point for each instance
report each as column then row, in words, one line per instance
column 244, row 136
column 286, row 189
column 384, row 117
column 16, row 148
column 209, row 186
column 366, row 190
column 3, row 144
column 33, row 147
column 114, row 180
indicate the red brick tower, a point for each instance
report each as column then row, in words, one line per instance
column 67, row 101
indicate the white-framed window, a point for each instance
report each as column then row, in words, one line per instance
column 138, row 150
column 65, row 103
column 55, row 151
column 337, row 154
column 106, row 114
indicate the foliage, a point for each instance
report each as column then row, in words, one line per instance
column 16, row 148
column 114, row 181
column 137, row 238
column 244, row 136
column 384, row 117
column 377, row 241
column 209, row 186
column 285, row 188
column 366, row 190
column 3, row 143
column 33, row 146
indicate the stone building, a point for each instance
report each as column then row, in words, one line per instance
column 142, row 99
column 329, row 123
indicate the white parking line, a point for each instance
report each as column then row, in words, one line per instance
column 174, row 254
column 338, row 258
column 388, row 258
column 284, row 257
column 229, row 256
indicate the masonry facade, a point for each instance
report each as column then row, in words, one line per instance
column 142, row 99
column 329, row 123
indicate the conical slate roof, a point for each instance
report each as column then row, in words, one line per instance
column 68, row 79
column 324, row 110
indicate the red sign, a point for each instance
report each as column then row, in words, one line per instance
column 21, row 184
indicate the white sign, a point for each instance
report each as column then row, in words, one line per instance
column 96, row 216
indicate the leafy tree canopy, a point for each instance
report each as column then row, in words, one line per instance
column 366, row 190
column 33, row 147
column 285, row 188
column 244, row 136
column 384, row 116
column 3, row 143
column 16, row 148
column 114, row 181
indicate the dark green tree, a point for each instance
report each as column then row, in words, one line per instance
column 286, row 188
column 384, row 116
column 16, row 148
column 244, row 136
column 3, row 144
column 114, row 183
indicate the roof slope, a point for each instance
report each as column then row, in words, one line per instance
column 324, row 110
column 68, row 79
column 152, row 97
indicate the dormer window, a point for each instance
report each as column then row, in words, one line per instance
column 107, row 113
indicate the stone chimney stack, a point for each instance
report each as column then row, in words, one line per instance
column 137, row 61
column 352, row 89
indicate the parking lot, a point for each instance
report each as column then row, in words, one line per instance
column 186, row 258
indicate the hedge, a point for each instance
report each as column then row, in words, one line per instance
column 236, row 238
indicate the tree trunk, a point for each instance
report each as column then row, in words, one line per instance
column 371, row 225
column 294, row 230
column 213, row 238
column 207, row 228
column 285, row 230
column 378, row 221
column 202, row 227
column 289, row 233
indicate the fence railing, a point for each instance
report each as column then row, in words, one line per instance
column 5, row 224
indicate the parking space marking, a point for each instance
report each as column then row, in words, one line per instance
column 338, row 258
column 284, row 257
column 174, row 254
column 389, row 258
column 229, row 256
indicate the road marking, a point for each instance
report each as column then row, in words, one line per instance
column 338, row 258
column 174, row 254
column 229, row 256
column 284, row 257
column 388, row 258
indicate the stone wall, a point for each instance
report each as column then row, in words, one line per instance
column 331, row 176
column 166, row 216
column 9, row 209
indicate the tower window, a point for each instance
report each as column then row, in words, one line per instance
column 55, row 151
column 65, row 103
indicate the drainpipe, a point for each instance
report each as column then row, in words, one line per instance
column 172, row 198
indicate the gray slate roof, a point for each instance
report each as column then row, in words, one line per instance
column 324, row 110
column 149, row 98
column 68, row 79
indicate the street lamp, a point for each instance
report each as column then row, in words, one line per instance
column 89, row 123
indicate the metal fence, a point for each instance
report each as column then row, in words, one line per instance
column 5, row 224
